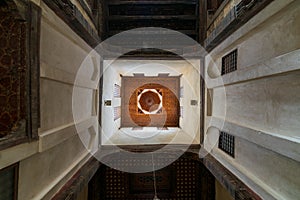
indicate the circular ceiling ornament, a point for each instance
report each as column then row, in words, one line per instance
column 149, row 101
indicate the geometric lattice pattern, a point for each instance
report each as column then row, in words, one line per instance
column 229, row 62
column 180, row 180
column 226, row 143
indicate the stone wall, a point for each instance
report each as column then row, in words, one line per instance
column 259, row 102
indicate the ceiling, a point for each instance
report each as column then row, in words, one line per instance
column 132, row 115
column 178, row 15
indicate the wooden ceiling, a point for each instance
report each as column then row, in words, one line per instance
column 180, row 15
column 131, row 115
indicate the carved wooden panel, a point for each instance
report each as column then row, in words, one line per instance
column 19, row 72
column 132, row 116
column 13, row 74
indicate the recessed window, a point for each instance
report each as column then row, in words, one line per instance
column 229, row 62
column 9, row 182
column 226, row 143
column 117, row 90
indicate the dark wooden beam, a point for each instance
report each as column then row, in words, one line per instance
column 151, row 17
column 193, row 148
column 120, row 2
column 202, row 21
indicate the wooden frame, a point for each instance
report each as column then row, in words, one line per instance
column 26, row 15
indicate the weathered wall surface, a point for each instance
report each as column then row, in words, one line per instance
column 259, row 103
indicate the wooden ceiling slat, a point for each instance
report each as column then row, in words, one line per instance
column 120, row 2
column 151, row 17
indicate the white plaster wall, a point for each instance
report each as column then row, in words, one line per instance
column 269, row 104
column 190, row 123
column 109, row 126
column 261, row 107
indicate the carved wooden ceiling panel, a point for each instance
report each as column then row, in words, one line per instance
column 150, row 101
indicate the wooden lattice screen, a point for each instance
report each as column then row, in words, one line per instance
column 184, row 179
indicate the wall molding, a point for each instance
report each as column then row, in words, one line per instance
column 284, row 146
column 65, row 77
column 55, row 136
column 285, row 63
column 17, row 153
column 53, row 187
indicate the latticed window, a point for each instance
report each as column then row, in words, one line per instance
column 226, row 143
column 229, row 62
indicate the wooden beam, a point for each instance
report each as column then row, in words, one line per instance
column 151, row 17
column 120, row 2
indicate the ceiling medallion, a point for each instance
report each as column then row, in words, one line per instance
column 149, row 101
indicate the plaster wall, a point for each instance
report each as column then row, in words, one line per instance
column 259, row 103
column 109, row 126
